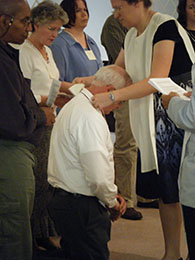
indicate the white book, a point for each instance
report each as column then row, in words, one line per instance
column 166, row 85
column 76, row 88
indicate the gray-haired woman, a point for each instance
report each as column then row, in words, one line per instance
column 37, row 64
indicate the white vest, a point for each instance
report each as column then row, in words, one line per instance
column 138, row 61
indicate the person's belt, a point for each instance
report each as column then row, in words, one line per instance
column 67, row 193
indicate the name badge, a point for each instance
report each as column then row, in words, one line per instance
column 90, row 55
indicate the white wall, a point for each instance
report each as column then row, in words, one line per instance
column 99, row 10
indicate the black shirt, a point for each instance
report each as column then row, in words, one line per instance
column 21, row 119
column 181, row 61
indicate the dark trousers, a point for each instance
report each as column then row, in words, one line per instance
column 189, row 222
column 83, row 224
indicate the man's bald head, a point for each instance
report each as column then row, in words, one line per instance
column 10, row 7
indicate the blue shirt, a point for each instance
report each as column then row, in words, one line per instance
column 71, row 59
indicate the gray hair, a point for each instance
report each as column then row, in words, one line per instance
column 111, row 75
column 48, row 11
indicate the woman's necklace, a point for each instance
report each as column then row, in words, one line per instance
column 41, row 50
column 146, row 23
column 191, row 35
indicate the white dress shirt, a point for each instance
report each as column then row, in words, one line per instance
column 81, row 151
column 36, row 68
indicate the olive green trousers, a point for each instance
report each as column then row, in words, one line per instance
column 16, row 199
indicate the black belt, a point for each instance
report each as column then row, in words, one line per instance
column 67, row 193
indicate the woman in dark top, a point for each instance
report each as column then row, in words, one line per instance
column 153, row 48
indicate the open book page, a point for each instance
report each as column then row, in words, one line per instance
column 166, row 85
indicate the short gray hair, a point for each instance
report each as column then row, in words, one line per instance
column 48, row 11
column 111, row 75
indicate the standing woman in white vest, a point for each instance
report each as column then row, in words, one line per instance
column 154, row 47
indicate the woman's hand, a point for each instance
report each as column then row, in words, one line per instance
column 85, row 80
column 102, row 100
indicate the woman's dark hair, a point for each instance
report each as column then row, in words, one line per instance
column 181, row 9
column 69, row 6
column 147, row 3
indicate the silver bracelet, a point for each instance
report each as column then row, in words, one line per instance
column 111, row 96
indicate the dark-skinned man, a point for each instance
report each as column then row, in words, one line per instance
column 21, row 125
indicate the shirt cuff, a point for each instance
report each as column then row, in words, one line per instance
column 112, row 204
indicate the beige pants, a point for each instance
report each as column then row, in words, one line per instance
column 125, row 155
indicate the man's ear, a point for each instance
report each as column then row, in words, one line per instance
column 110, row 88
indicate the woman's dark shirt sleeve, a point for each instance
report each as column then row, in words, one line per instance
column 167, row 31
column 181, row 62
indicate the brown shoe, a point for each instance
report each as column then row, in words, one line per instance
column 132, row 214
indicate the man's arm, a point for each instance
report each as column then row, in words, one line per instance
column 20, row 114
column 97, row 159
column 99, row 172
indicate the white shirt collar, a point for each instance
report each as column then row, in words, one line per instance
column 87, row 93
column 89, row 96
